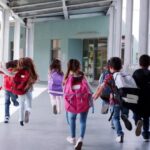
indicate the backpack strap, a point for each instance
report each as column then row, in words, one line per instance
column 90, row 89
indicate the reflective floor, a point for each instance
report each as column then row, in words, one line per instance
column 47, row 131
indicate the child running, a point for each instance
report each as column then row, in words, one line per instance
column 24, row 76
column 55, row 89
column 115, row 65
column 76, row 95
column 142, row 79
column 7, row 85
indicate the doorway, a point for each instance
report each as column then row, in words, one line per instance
column 94, row 57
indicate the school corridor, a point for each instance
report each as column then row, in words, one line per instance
column 47, row 131
column 91, row 31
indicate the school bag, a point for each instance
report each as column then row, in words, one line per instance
column 105, row 95
column 77, row 100
column 55, row 83
column 20, row 81
column 126, row 91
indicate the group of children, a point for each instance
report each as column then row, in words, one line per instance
column 73, row 87
column 19, row 77
column 73, row 82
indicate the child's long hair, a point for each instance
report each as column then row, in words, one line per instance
column 27, row 63
column 74, row 67
column 56, row 66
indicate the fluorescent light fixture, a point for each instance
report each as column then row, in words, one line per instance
column 85, row 15
column 11, row 19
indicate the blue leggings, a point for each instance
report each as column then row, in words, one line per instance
column 71, row 119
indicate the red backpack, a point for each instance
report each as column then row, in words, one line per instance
column 78, row 100
column 20, row 81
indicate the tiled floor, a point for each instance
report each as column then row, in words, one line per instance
column 46, row 131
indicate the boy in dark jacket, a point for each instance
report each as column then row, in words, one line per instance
column 142, row 79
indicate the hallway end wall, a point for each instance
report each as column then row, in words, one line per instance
column 70, row 33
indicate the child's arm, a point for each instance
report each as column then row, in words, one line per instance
column 5, row 71
column 98, row 91
column 89, row 85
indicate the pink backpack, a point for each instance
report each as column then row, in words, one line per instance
column 78, row 100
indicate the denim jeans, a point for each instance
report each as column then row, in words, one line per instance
column 116, row 119
column 71, row 119
column 25, row 103
column 125, row 111
column 9, row 95
column 146, row 123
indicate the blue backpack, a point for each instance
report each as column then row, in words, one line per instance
column 107, row 90
column 55, row 80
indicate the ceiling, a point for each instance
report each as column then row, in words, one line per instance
column 59, row 9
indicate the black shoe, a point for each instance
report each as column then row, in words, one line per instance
column 21, row 123
column 54, row 109
column 6, row 119
column 146, row 136
column 127, row 123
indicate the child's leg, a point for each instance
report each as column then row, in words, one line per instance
column 116, row 122
column 54, row 103
column 124, row 117
column 28, row 101
column 83, row 118
column 7, row 103
column 139, row 123
column 52, row 99
column 14, row 99
column 58, row 103
column 146, row 133
column 105, row 107
column 28, row 105
column 22, row 107
column 72, row 123
column 125, row 111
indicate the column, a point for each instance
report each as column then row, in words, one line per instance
column 143, row 27
column 29, row 40
column 4, row 36
column 128, row 34
column 118, row 27
column 149, row 32
column 17, row 39
column 111, row 33
column 1, row 35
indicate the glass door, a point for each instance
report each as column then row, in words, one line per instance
column 94, row 57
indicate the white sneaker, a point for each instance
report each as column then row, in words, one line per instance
column 79, row 144
column 120, row 138
column 71, row 140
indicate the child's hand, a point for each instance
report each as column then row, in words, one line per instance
column 95, row 96
column 98, row 92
